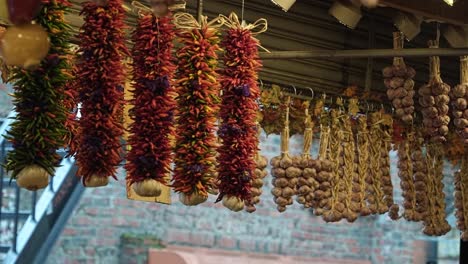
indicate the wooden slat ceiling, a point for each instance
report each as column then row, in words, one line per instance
column 435, row 9
column 308, row 26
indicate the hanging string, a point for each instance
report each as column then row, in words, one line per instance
column 177, row 6
column 187, row 21
column 285, row 132
column 258, row 27
column 242, row 12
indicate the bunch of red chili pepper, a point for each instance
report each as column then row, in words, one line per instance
column 39, row 129
column 100, row 77
column 153, row 100
column 71, row 104
column 238, row 114
column 198, row 104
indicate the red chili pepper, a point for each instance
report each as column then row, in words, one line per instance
column 238, row 114
column 153, row 100
column 100, row 77
column 39, row 129
column 198, row 105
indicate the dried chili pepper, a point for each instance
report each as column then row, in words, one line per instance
column 39, row 130
column 100, row 77
column 238, row 115
column 71, row 104
column 198, row 103
column 153, row 103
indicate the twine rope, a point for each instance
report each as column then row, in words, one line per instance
column 140, row 9
column 258, row 27
column 187, row 21
column 285, row 132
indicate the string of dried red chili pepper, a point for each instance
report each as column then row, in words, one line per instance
column 100, row 78
column 71, row 104
column 153, row 101
column 238, row 114
column 39, row 129
column 198, row 103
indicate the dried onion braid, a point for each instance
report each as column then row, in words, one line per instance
column 284, row 171
column 400, row 84
column 435, row 222
column 362, row 140
column 420, row 177
column 307, row 183
column 387, row 185
column 350, row 179
column 434, row 102
column 459, row 99
column 375, row 194
column 258, row 181
column 405, row 167
column 461, row 198
column 324, row 169
column 335, row 207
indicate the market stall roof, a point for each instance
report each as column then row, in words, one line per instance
column 433, row 9
column 308, row 26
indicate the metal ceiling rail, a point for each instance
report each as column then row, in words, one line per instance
column 364, row 53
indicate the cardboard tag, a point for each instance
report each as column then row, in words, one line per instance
column 164, row 198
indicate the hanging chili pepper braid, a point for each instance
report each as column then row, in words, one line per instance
column 39, row 129
column 100, row 78
column 198, row 101
column 238, row 116
column 149, row 160
column 71, row 104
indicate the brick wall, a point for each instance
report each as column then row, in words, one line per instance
column 134, row 248
column 92, row 234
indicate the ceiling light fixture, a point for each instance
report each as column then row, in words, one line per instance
column 370, row 3
column 347, row 12
column 456, row 36
column 284, row 4
column 450, row 2
column 408, row 24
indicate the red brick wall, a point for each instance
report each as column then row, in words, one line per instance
column 92, row 234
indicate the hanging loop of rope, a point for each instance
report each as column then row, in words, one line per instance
column 140, row 9
column 187, row 21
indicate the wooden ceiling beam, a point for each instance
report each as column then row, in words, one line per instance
column 433, row 9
